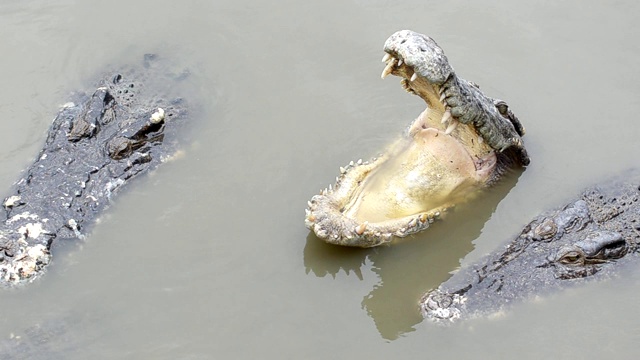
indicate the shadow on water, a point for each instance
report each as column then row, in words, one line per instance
column 325, row 259
column 411, row 266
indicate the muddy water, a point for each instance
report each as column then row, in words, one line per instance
column 209, row 258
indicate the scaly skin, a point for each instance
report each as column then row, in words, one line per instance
column 96, row 144
column 590, row 238
column 463, row 142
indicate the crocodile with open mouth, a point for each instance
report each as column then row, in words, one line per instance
column 462, row 142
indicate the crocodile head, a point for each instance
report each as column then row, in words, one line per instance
column 463, row 141
column 586, row 240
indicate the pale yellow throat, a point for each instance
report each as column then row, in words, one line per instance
column 424, row 171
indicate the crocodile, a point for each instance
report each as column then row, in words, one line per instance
column 97, row 143
column 592, row 237
column 56, row 336
column 462, row 142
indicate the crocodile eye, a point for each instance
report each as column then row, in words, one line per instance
column 572, row 258
column 502, row 107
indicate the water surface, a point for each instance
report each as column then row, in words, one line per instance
column 208, row 257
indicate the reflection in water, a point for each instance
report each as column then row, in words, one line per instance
column 325, row 259
column 411, row 266
column 296, row 87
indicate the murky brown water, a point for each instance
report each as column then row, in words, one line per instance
column 209, row 258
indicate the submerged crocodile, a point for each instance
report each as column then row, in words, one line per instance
column 590, row 238
column 462, row 142
column 96, row 144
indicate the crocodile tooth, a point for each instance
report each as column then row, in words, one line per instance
column 405, row 83
column 359, row 161
column 451, row 127
column 399, row 62
column 442, row 96
column 309, row 204
column 387, row 69
column 351, row 163
column 322, row 234
column 480, row 139
column 324, row 192
column 414, row 77
column 386, row 57
column 330, row 188
column 342, row 170
column 361, row 228
column 446, row 116
column 307, row 212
